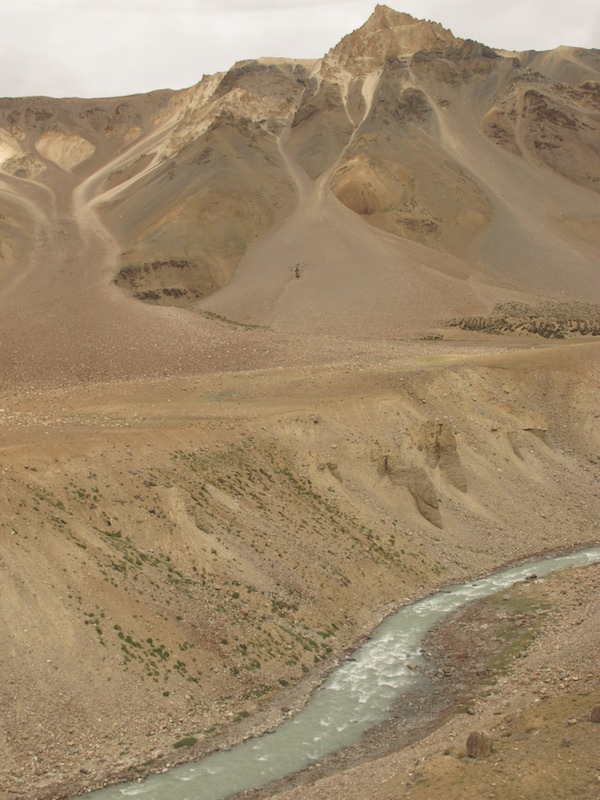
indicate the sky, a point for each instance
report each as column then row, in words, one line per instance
column 105, row 48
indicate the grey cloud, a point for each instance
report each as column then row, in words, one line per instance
column 109, row 47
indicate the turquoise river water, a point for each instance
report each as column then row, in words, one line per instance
column 358, row 695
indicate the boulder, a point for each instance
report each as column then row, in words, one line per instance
column 479, row 744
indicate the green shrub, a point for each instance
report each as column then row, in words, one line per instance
column 187, row 741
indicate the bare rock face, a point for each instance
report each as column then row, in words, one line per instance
column 423, row 491
column 479, row 744
column 418, row 483
column 500, row 128
column 457, row 64
column 164, row 282
column 64, row 151
column 389, row 34
column 439, row 443
column 595, row 715
column 548, row 319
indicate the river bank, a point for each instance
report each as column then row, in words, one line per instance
column 465, row 656
column 521, row 666
column 173, row 552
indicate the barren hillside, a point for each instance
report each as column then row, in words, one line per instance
column 412, row 176
column 279, row 353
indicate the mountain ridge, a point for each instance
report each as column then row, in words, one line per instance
column 280, row 353
column 483, row 171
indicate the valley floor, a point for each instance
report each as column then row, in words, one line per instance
column 185, row 558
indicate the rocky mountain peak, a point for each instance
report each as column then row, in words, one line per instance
column 389, row 34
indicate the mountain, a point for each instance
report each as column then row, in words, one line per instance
column 280, row 353
column 413, row 175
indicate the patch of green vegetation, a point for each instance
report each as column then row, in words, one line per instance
column 45, row 495
column 523, row 620
column 186, row 741
column 94, row 620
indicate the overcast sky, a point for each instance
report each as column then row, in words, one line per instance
column 101, row 48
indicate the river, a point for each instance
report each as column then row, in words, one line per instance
column 356, row 696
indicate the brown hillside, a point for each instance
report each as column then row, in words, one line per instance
column 476, row 171
column 279, row 353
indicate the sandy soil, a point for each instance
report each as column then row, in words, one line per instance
column 204, row 504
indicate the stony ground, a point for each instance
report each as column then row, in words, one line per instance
column 185, row 558
column 536, row 649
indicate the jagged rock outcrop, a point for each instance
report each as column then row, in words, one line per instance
column 549, row 320
column 439, row 444
column 418, row 483
column 455, row 65
column 386, row 35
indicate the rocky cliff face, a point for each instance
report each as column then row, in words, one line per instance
column 387, row 35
